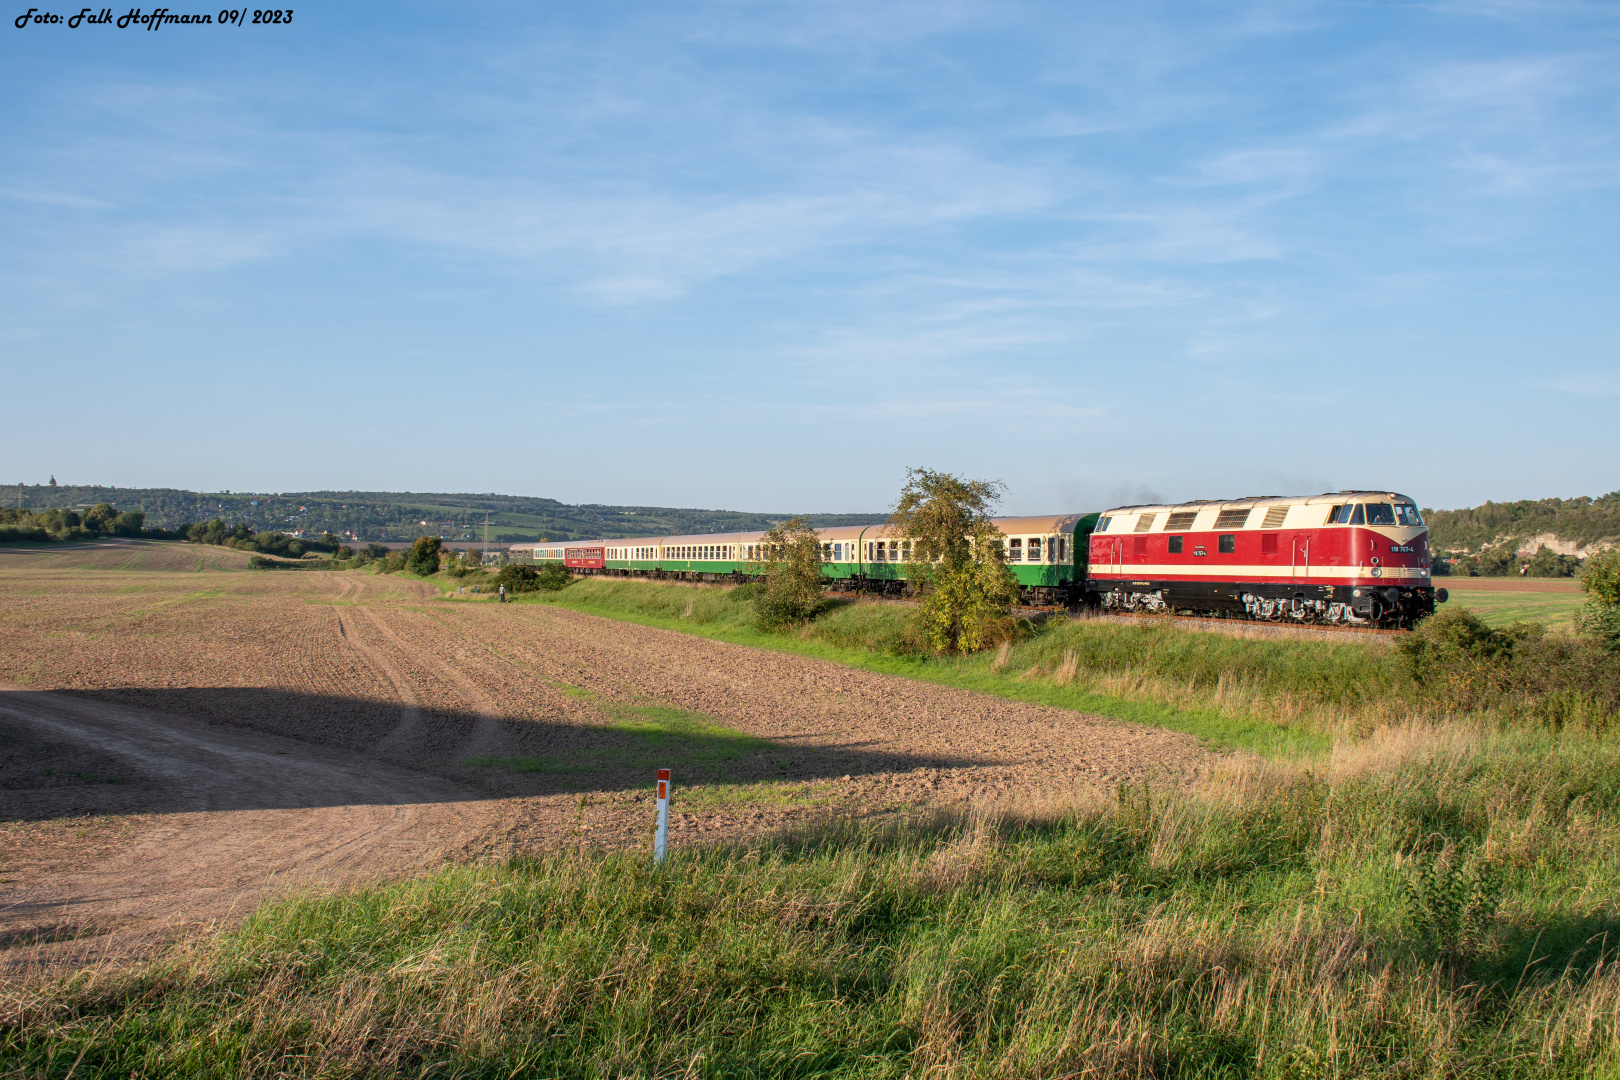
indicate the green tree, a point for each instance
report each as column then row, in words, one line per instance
column 788, row 557
column 1599, row 618
column 956, row 559
column 99, row 518
column 424, row 556
column 129, row 523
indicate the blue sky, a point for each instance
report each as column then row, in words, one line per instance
column 765, row 255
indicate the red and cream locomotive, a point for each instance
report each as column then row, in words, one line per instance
column 1354, row 557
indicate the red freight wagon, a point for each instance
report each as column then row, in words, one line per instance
column 1348, row 557
column 585, row 558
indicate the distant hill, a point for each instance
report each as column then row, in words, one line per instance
column 1567, row 526
column 404, row 515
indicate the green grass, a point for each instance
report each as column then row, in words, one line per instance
column 1554, row 609
column 643, row 737
column 1437, row 904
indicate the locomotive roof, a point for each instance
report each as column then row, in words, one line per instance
column 1263, row 500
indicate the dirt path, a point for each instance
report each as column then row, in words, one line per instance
column 176, row 746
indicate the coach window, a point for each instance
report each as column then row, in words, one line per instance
column 1015, row 550
column 1175, row 545
column 1228, row 543
column 1034, row 549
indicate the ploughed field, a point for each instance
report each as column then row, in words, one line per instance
column 181, row 736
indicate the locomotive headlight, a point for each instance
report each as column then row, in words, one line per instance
column 1357, row 592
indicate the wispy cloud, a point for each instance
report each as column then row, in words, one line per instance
column 1599, row 383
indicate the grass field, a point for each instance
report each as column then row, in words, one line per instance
column 1374, row 884
column 1500, row 601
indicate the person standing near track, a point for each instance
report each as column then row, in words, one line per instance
column 502, row 600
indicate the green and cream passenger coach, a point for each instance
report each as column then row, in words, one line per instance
column 1040, row 551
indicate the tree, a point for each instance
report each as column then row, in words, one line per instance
column 1599, row 618
column 789, row 559
column 99, row 518
column 956, row 558
column 424, row 556
column 129, row 523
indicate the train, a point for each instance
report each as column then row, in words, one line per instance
column 1347, row 558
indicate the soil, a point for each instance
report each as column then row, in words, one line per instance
column 177, row 745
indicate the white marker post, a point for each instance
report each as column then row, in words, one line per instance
column 661, row 837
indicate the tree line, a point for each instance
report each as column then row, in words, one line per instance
column 1505, row 561
column 1583, row 519
column 44, row 526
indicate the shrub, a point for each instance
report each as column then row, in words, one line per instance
column 790, row 561
column 554, row 576
column 518, row 578
column 393, row 562
column 1600, row 618
column 1519, row 668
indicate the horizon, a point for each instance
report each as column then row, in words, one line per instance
column 242, row 492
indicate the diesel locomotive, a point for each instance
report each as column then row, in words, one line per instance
column 1347, row 558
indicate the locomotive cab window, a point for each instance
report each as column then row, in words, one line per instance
column 1380, row 514
column 1407, row 514
column 1175, row 545
column 1228, row 543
